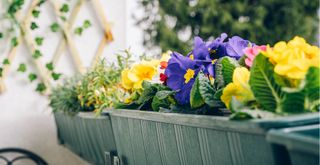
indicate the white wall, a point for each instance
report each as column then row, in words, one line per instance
column 25, row 118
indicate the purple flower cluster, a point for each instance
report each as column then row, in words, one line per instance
column 182, row 70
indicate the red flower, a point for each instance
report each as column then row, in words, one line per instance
column 163, row 77
column 163, row 64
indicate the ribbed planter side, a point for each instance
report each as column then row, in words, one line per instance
column 86, row 135
column 147, row 138
column 301, row 143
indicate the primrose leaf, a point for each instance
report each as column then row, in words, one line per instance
column 162, row 99
column 224, row 71
column 265, row 89
column 196, row 99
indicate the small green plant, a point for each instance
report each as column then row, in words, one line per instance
column 64, row 98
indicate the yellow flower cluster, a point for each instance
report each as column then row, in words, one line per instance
column 293, row 59
column 239, row 88
column 132, row 78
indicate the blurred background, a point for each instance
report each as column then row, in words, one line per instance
column 144, row 26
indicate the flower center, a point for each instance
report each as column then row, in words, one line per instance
column 189, row 75
column 191, row 57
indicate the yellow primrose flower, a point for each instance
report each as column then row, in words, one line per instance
column 133, row 78
column 239, row 88
column 293, row 59
column 125, row 81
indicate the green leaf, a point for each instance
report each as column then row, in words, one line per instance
column 14, row 42
column 162, row 99
column 22, row 68
column 196, row 99
column 304, row 98
column 39, row 40
column 64, row 8
column 36, row 54
column 54, row 27
column 86, row 24
column 1, row 71
column 50, row 66
column 63, row 18
column 1, row 35
column 78, row 31
column 41, row 2
column 263, row 84
column 207, row 92
column 41, row 87
column 35, row 13
column 6, row 62
column 224, row 71
column 242, row 62
column 149, row 91
column 33, row 26
column 56, row 76
column 247, row 114
column 32, row 77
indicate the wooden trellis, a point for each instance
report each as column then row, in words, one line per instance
column 65, row 42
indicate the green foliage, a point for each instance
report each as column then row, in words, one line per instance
column 202, row 93
column 259, row 21
column 55, row 27
column 263, row 85
column 32, row 77
column 162, row 99
column 14, row 42
column 1, row 35
column 64, row 98
column 39, row 40
column 56, row 76
column 34, row 26
column 15, row 6
column 304, row 98
column 36, row 54
column 86, row 24
column 35, row 13
column 151, row 97
column 1, row 71
column 224, row 71
column 78, row 31
column 50, row 66
column 99, row 88
column 41, row 87
column 6, row 61
column 22, row 68
column 64, row 8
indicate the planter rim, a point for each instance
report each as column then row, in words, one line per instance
column 259, row 126
column 88, row 115
column 292, row 140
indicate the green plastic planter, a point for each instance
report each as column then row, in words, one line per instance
column 88, row 136
column 302, row 143
column 146, row 138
